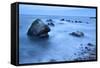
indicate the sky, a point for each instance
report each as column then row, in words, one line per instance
column 55, row 10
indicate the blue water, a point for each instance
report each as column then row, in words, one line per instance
column 60, row 46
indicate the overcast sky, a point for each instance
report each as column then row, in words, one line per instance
column 53, row 10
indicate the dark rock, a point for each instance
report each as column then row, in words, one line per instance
column 62, row 19
column 80, row 21
column 49, row 20
column 51, row 24
column 38, row 29
column 76, row 21
column 90, row 44
column 77, row 34
column 87, row 48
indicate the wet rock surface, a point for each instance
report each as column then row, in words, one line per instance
column 77, row 34
column 90, row 44
column 38, row 29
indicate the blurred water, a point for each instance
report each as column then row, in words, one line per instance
column 60, row 46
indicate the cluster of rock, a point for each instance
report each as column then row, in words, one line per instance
column 77, row 34
column 68, row 20
column 38, row 29
column 78, row 21
column 50, row 22
column 87, row 52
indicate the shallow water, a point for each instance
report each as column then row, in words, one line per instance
column 60, row 46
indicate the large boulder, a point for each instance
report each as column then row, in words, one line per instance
column 38, row 29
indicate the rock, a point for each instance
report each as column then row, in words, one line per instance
column 88, row 49
column 62, row 19
column 51, row 24
column 68, row 20
column 81, row 44
column 72, row 21
column 86, row 53
column 80, row 21
column 77, row 34
column 49, row 20
column 38, row 29
column 76, row 21
column 90, row 44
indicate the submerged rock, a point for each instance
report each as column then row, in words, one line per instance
column 38, row 29
column 61, row 23
column 80, row 21
column 68, row 20
column 72, row 21
column 77, row 34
